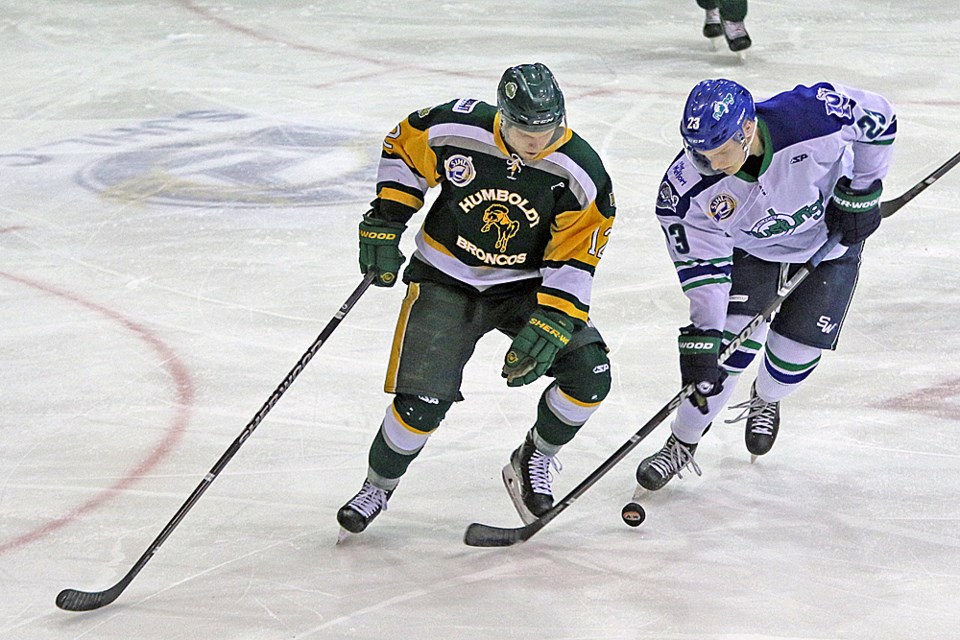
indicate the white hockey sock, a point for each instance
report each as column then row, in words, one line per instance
column 690, row 424
column 786, row 364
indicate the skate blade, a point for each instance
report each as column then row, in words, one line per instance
column 512, row 484
column 639, row 493
column 742, row 55
column 753, row 458
column 344, row 535
column 715, row 43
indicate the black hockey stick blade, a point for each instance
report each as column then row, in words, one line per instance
column 890, row 207
column 484, row 535
column 74, row 600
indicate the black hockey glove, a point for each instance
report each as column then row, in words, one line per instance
column 380, row 249
column 854, row 213
column 535, row 347
column 700, row 364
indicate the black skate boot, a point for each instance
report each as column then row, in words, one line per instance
column 736, row 34
column 362, row 508
column 528, row 480
column 711, row 24
column 763, row 423
column 658, row 469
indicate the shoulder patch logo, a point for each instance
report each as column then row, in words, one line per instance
column 666, row 198
column 722, row 207
column 459, row 170
column 465, row 105
column 836, row 103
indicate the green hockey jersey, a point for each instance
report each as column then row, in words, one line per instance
column 497, row 220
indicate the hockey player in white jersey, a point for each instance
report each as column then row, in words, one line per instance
column 751, row 198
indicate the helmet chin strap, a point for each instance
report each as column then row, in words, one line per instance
column 748, row 142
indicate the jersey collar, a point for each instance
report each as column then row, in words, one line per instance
column 764, row 134
column 502, row 146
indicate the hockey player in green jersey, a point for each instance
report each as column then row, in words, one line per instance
column 511, row 243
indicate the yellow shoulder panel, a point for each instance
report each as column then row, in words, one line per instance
column 579, row 235
column 412, row 146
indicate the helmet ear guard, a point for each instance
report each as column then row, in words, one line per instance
column 529, row 98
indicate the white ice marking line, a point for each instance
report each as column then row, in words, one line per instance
column 196, row 297
column 197, row 575
column 508, row 568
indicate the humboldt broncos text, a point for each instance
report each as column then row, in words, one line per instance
column 497, row 220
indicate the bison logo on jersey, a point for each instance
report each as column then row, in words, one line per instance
column 459, row 170
column 498, row 215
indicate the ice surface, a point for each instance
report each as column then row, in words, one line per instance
column 180, row 184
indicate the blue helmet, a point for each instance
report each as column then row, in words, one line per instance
column 714, row 113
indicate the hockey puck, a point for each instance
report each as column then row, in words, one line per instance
column 633, row 514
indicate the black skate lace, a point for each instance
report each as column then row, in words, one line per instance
column 762, row 413
column 369, row 501
column 674, row 457
column 540, row 476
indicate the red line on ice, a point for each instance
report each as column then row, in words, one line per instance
column 175, row 430
column 931, row 401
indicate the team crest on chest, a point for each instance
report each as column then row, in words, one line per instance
column 497, row 216
column 722, row 207
column 459, row 170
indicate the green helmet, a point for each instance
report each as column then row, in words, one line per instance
column 528, row 97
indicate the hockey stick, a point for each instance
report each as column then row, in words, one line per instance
column 482, row 535
column 889, row 208
column 75, row 600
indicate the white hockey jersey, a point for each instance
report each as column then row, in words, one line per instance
column 811, row 136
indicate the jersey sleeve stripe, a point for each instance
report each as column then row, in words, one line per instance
column 699, row 269
column 574, row 282
column 393, row 169
column 400, row 197
column 696, row 283
column 557, row 300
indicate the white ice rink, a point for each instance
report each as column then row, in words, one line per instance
column 180, row 184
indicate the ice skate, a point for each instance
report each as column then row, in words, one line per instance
column 738, row 40
column 361, row 510
column 763, row 423
column 657, row 470
column 528, row 480
column 712, row 27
